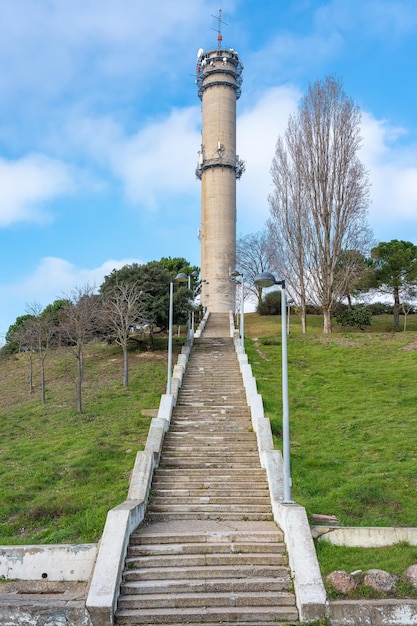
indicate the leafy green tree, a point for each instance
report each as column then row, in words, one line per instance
column 152, row 279
column 54, row 313
column 395, row 269
column 15, row 336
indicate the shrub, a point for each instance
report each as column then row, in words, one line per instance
column 271, row 304
column 357, row 317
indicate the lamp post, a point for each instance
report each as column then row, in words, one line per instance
column 235, row 274
column 190, row 327
column 265, row 279
column 180, row 278
column 290, row 301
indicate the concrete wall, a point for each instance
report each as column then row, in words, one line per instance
column 52, row 563
column 365, row 536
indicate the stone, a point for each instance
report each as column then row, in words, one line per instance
column 410, row 575
column 379, row 580
column 341, row 581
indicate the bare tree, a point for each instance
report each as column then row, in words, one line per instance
column 321, row 195
column 79, row 324
column 40, row 330
column 123, row 310
column 254, row 254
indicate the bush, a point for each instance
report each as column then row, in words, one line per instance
column 380, row 308
column 271, row 304
column 357, row 317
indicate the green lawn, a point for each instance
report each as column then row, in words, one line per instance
column 353, row 416
column 353, row 427
column 60, row 472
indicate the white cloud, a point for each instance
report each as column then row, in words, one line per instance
column 393, row 173
column 26, row 184
column 52, row 279
column 55, row 276
column 44, row 44
column 257, row 130
column 157, row 161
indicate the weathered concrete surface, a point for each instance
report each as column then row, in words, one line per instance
column 292, row 518
column 372, row 613
column 364, row 537
column 52, row 563
column 34, row 603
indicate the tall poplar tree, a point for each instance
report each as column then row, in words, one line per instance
column 319, row 204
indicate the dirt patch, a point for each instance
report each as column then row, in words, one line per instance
column 410, row 346
column 258, row 349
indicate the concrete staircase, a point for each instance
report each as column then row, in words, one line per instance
column 208, row 551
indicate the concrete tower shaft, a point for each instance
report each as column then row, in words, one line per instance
column 219, row 77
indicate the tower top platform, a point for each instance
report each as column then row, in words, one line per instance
column 218, row 66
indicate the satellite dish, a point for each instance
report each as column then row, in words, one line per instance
column 200, row 53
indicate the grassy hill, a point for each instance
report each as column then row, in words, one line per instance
column 353, row 426
column 59, row 471
column 353, row 416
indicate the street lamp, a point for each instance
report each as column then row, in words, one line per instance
column 235, row 274
column 180, row 278
column 265, row 279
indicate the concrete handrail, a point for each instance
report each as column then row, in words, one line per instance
column 292, row 518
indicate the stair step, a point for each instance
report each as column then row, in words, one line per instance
column 220, row 501
column 240, row 615
column 206, row 560
column 207, row 515
column 211, row 536
column 225, row 585
column 207, row 572
column 203, row 491
column 139, row 549
column 204, row 599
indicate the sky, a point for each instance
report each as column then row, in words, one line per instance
column 100, row 124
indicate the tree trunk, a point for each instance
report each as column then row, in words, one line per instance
column 396, row 308
column 43, row 396
column 327, row 321
column 125, row 367
column 303, row 316
column 30, row 373
column 80, row 381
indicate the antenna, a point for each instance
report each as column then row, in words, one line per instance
column 219, row 28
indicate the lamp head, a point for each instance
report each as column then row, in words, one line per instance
column 265, row 279
column 181, row 278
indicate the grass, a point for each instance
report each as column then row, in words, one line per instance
column 60, row 472
column 353, row 427
column 393, row 559
column 353, row 423
column 353, row 419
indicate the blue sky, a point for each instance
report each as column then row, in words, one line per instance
column 100, row 124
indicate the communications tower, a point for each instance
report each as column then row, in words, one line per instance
column 219, row 80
